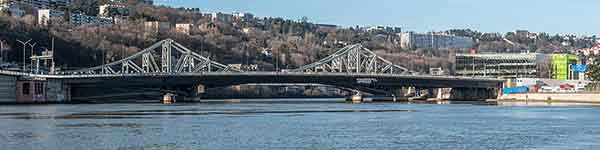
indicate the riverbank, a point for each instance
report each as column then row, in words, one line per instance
column 567, row 98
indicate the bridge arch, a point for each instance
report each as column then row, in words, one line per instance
column 354, row 59
column 163, row 57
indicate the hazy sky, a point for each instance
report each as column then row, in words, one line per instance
column 581, row 17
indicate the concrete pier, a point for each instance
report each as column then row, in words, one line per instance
column 168, row 98
column 357, row 98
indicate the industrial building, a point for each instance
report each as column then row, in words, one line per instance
column 497, row 65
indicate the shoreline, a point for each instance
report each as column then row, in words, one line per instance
column 550, row 98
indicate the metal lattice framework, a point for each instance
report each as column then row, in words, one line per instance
column 354, row 59
column 172, row 58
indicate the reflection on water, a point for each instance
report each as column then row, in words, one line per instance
column 297, row 125
column 543, row 103
column 101, row 125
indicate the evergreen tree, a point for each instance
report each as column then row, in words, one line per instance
column 594, row 70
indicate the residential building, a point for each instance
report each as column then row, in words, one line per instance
column 80, row 19
column 111, row 10
column 243, row 16
column 41, row 4
column 13, row 10
column 152, row 28
column 221, row 17
column 411, row 40
column 138, row 1
column 326, row 26
column 206, row 27
column 183, row 28
column 497, row 65
column 190, row 10
column 45, row 16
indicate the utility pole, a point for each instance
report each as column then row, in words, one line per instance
column 31, row 65
column 24, row 44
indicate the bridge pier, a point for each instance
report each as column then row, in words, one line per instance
column 168, row 98
column 418, row 93
column 356, row 98
column 399, row 94
column 473, row 94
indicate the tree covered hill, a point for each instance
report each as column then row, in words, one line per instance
column 290, row 43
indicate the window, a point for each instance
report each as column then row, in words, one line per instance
column 39, row 88
column 26, row 88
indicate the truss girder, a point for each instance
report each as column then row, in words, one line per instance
column 353, row 59
column 172, row 58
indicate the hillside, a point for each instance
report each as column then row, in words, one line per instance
column 290, row 43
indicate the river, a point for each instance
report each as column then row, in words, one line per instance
column 303, row 124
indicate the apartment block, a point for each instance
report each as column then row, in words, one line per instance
column 152, row 28
column 45, row 16
column 243, row 16
column 80, row 19
column 40, row 4
column 221, row 17
column 411, row 40
column 13, row 10
column 111, row 10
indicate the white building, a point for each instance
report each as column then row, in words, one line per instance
column 45, row 16
column 411, row 40
column 243, row 16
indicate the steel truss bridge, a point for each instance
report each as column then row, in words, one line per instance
column 169, row 65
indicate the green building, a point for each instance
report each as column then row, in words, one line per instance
column 561, row 66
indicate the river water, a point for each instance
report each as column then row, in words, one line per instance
column 297, row 125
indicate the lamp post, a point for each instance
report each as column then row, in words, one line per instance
column 31, row 65
column 24, row 44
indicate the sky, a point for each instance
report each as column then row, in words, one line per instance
column 578, row 17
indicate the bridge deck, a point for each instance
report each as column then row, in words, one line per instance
column 229, row 78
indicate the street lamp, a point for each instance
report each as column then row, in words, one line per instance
column 31, row 65
column 24, row 44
